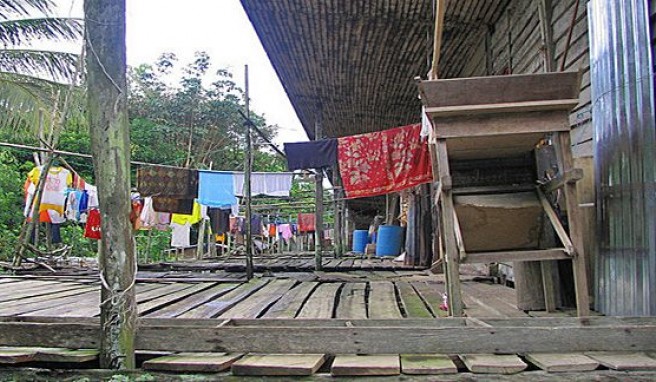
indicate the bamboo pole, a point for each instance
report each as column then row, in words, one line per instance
column 247, row 183
column 318, row 197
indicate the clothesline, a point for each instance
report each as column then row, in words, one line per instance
column 83, row 155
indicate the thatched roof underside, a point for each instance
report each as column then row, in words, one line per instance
column 355, row 61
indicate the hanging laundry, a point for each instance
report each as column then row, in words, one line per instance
column 180, row 235
column 92, row 228
column 170, row 182
column 265, row 183
column 135, row 213
column 272, row 230
column 216, row 189
column 286, row 231
column 234, row 224
column 55, row 233
column 256, row 225
column 163, row 220
column 92, row 193
column 197, row 213
column 219, row 220
column 72, row 209
column 306, row 223
column 172, row 205
column 383, row 162
column 148, row 214
column 53, row 198
column 312, row 154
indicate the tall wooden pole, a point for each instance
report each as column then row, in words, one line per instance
column 337, row 218
column 110, row 143
column 318, row 199
column 248, row 167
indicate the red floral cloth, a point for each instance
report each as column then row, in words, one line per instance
column 383, row 162
column 306, row 222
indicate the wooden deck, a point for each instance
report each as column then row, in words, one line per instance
column 282, row 263
column 321, row 295
column 376, row 312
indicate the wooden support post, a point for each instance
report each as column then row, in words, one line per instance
column 337, row 218
column 452, row 255
column 318, row 200
column 248, row 167
column 575, row 223
column 545, row 14
column 110, row 143
column 393, row 206
column 200, row 251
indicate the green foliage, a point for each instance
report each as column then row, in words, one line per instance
column 30, row 79
column 11, row 202
column 151, row 245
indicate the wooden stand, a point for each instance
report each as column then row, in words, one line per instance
column 493, row 118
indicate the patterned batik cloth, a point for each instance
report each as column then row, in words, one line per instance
column 383, row 162
column 169, row 182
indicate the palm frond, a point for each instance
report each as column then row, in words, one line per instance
column 20, row 31
column 39, row 63
column 24, row 101
column 9, row 8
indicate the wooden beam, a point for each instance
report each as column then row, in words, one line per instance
column 496, row 108
column 545, row 15
column 248, row 169
column 440, row 11
column 381, row 339
column 569, row 177
column 503, row 256
column 483, row 125
column 494, row 90
column 459, row 241
column 337, row 207
column 318, row 201
column 575, row 223
column 555, row 222
column 452, row 257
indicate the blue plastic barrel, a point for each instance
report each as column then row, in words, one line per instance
column 360, row 240
column 389, row 240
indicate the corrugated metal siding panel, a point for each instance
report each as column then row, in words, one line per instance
column 625, row 153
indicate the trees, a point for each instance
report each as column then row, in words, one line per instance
column 30, row 78
column 197, row 121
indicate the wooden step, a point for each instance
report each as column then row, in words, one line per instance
column 427, row 364
column 192, row 362
column 624, row 360
column 366, row 365
column 278, row 364
column 567, row 362
column 493, row 364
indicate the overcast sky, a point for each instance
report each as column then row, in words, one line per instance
column 219, row 27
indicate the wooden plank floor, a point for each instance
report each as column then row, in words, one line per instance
column 382, row 294
column 348, row 295
column 282, row 263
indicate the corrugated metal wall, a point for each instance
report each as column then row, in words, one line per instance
column 625, row 156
